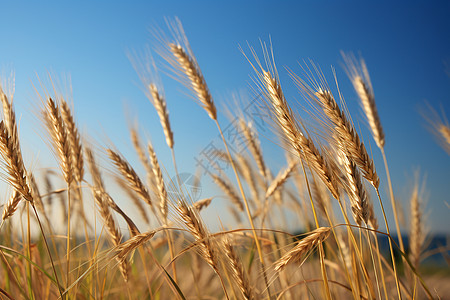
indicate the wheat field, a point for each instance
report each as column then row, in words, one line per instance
column 61, row 234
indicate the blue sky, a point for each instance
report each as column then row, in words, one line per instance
column 406, row 47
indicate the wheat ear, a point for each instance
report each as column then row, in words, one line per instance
column 356, row 192
column 321, row 197
column 160, row 105
column 229, row 190
column 303, row 145
column 123, row 249
column 140, row 150
column 202, row 203
column 158, row 176
column 102, row 197
column 10, row 149
column 188, row 65
column 73, row 135
column 280, row 179
column 348, row 137
column 131, row 177
column 253, row 146
column 297, row 253
column 360, row 79
column 14, row 163
column 416, row 231
column 196, row 227
column 136, row 200
column 11, row 206
column 58, row 132
column 249, row 176
column 237, row 270
column 445, row 132
column 9, row 117
column 102, row 200
column 439, row 126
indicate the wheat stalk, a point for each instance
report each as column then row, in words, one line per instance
column 37, row 199
column 10, row 149
column 146, row 68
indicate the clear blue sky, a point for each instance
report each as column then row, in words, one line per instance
column 406, row 46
